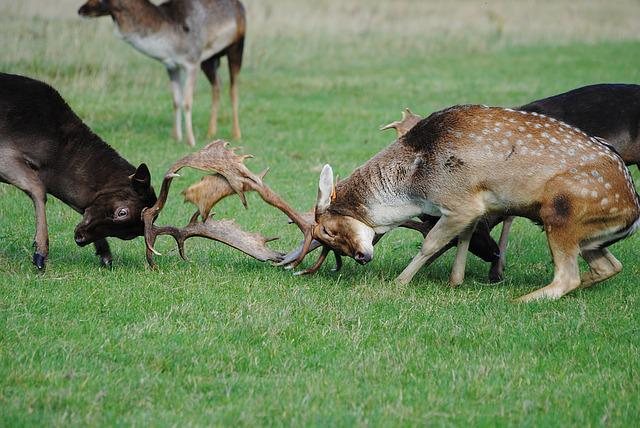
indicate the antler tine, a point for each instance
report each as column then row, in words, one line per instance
column 150, row 214
column 291, row 257
column 404, row 125
column 313, row 269
column 305, row 225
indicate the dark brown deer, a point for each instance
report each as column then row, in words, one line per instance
column 466, row 162
column 183, row 35
column 46, row 148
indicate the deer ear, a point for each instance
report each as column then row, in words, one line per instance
column 326, row 191
column 141, row 179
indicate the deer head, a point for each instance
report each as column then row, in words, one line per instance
column 95, row 8
column 343, row 233
column 117, row 213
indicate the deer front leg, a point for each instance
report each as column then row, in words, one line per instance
column 446, row 229
column 177, row 83
column 189, row 87
column 496, row 273
column 104, row 252
column 41, row 253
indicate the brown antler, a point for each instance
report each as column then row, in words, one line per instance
column 206, row 193
column 225, row 231
column 402, row 126
column 213, row 188
column 234, row 177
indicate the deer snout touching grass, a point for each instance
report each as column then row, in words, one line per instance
column 466, row 162
column 184, row 35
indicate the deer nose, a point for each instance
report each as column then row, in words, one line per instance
column 362, row 258
column 80, row 239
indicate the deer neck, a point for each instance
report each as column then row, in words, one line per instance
column 148, row 29
column 137, row 17
column 381, row 192
column 90, row 167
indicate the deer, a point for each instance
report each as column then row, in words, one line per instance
column 610, row 111
column 45, row 148
column 183, row 35
column 466, row 162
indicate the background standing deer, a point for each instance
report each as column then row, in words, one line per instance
column 183, row 35
column 469, row 161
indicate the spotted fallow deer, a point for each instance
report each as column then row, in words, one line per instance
column 466, row 162
column 183, row 35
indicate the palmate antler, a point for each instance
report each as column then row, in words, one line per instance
column 218, row 157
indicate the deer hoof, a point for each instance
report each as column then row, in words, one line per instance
column 39, row 261
column 106, row 262
column 495, row 276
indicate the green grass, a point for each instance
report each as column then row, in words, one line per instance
column 225, row 340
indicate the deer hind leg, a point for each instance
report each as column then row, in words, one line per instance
column 566, row 277
column 210, row 68
column 446, row 229
column 19, row 174
column 177, row 84
column 234, row 55
column 104, row 252
column 496, row 273
column 602, row 265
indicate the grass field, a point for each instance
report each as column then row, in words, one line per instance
column 225, row 340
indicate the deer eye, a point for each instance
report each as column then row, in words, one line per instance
column 122, row 213
column 325, row 231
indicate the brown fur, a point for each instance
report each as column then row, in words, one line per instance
column 46, row 149
column 505, row 162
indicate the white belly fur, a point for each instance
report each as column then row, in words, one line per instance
column 390, row 215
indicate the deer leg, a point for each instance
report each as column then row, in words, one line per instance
column 497, row 269
column 103, row 251
column 447, row 228
column 177, row 83
column 234, row 55
column 457, row 272
column 187, row 104
column 210, row 68
column 602, row 265
column 16, row 172
column 566, row 277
